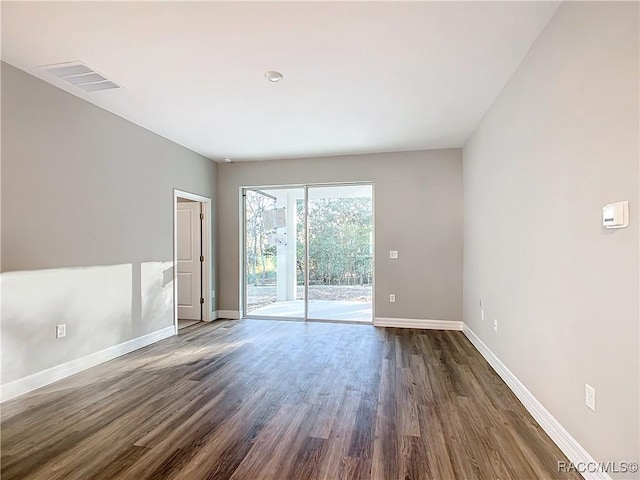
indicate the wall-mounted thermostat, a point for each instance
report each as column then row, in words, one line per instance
column 615, row 215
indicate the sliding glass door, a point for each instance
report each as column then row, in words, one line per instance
column 274, row 252
column 340, row 262
column 327, row 228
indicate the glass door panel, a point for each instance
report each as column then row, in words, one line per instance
column 340, row 245
column 274, row 252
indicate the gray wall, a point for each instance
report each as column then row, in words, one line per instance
column 560, row 142
column 418, row 211
column 87, row 225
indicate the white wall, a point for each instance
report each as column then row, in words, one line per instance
column 418, row 211
column 559, row 143
column 87, row 225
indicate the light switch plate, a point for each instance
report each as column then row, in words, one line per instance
column 590, row 396
column 393, row 254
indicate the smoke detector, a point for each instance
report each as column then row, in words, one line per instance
column 79, row 75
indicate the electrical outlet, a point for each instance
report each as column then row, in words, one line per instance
column 392, row 298
column 393, row 254
column 495, row 324
column 590, row 396
column 61, row 330
column 482, row 314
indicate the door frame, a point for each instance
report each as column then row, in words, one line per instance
column 242, row 300
column 207, row 274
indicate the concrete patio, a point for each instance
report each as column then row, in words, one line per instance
column 338, row 310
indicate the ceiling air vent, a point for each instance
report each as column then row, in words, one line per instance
column 79, row 75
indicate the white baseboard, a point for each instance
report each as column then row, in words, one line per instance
column 417, row 323
column 53, row 374
column 232, row 314
column 562, row 438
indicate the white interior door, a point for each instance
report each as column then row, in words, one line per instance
column 189, row 264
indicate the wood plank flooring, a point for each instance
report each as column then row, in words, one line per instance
column 256, row 399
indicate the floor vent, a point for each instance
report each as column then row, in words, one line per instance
column 81, row 76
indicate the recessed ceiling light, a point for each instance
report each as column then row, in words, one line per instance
column 227, row 160
column 273, row 76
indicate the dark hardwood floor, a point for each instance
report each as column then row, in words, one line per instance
column 257, row 399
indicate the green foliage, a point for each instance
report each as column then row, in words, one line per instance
column 340, row 238
column 260, row 256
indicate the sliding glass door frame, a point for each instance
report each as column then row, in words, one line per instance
column 243, row 242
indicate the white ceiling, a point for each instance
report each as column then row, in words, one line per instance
column 360, row 77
